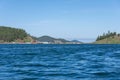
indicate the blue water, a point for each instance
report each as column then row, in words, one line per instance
column 59, row 62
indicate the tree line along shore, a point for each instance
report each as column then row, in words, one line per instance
column 16, row 35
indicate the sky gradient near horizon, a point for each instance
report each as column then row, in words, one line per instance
column 69, row 19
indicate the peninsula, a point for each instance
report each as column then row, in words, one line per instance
column 108, row 38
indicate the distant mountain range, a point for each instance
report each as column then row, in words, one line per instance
column 56, row 40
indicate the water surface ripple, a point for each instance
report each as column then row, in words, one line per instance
column 59, row 62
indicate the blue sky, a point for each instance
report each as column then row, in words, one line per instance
column 69, row 19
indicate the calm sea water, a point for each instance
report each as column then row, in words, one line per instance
column 59, row 62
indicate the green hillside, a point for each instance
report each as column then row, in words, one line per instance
column 8, row 34
column 108, row 38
